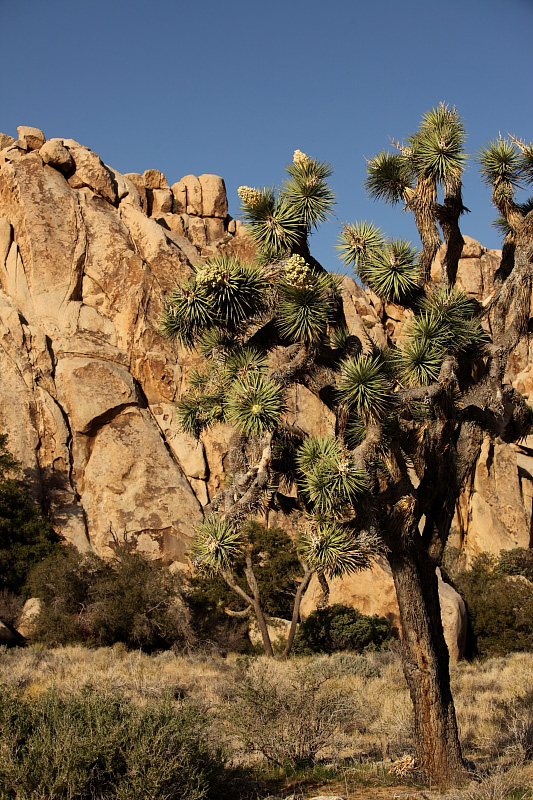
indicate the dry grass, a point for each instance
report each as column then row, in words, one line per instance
column 493, row 699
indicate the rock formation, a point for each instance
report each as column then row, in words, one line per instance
column 88, row 384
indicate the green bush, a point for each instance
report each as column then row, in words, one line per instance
column 277, row 569
column 26, row 536
column 92, row 746
column 499, row 599
column 126, row 599
column 341, row 627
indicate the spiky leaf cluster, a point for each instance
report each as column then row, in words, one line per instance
column 445, row 324
column 392, row 271
column 332, row 549
column 330, row 479
column 307, row 191
column 254, row 404
column 303, row 312
column 502, row 169
column 359, row 242
column 278, row 225
column 388, row 177
column 364, row 385
column 436, row 150
column 218, row 543
column 221, row 293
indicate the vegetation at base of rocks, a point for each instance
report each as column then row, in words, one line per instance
column 498, row 592
column 26, row 536
column 91, row 745
column 127, row 599
column 341, row 627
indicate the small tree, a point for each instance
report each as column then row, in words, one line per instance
column 421, row 408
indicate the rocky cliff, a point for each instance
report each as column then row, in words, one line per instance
column 87, row 256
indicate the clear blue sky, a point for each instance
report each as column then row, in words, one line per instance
column 234, row 87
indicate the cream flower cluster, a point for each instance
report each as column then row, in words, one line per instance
column 211, row 275
column 297, row 273
column 300, row 158
column 250, row 197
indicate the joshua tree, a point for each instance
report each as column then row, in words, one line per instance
column 410, row 419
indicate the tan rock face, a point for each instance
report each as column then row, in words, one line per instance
column 30, row 138
column 53, row 152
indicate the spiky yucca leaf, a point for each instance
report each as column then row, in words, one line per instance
column 393, row 271
column 217, row 545
column 330, row 478
column 419, row 362
column 216, row 344
column 330, row 548
column 437, row 148
column 339, row 337
column 303, row 313
column 244, row 361
column 189, row 311
column 314, row 449
column 307, row 191
column 501, row 168
column 387, row 177
column 254, row 405
column 365, row 386
column 499, row 160
column 359, row 242
column 190, row 417
column 355, row 432
column 272, row 224
column 235, row 289
column 451, row 312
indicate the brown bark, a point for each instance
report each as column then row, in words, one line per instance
column 425, row 661
column 296, row 610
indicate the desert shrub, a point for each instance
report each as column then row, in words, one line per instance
column 26, row 536
column 290, row 712
column 341, row 627
column 499, row 599
column 126, row 599
column 10, row 607
column 91, row 746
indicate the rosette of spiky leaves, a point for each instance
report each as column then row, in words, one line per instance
column 359, row 242
column 339, row 337
column 216, row 344
column 330, row 478
column 307, row 192
column 189, row 311
column 436, row 150
column 501, row 168
column 272, row 224
column 392, row 271
column 217, row 545
column 283, row 465
column 419, row 362
column 334, row 550
column 244, row 361
column 237, row 291
column 447, row 319
column 364, row 385
column 303, row 312
column 355, row 432
column 201, row 408
column 254, row 404
column 388, row 177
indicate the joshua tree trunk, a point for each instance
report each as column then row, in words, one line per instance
column 426, row 661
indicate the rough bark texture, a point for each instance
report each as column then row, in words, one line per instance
column 425, row 662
